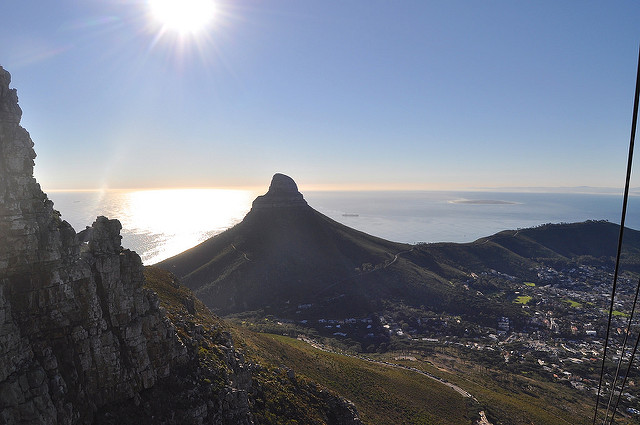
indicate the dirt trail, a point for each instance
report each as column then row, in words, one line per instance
column 483, row 417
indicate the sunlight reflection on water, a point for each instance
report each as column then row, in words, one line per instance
column 158, row 223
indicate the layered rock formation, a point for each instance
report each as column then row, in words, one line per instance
column 81, row 339
column 77, row 329
column 282, row 193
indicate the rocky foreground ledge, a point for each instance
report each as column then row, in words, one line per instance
column 81, row 339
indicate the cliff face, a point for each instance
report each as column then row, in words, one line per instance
column 77, row 329
column 83, row 341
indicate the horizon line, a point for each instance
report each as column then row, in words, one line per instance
column 595, row 190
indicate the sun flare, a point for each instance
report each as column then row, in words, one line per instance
column 183, row 16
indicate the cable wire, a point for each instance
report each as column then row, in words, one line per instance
column 624, row 345
column 624, row 381
column 635, row 348
column 633, row 353
column 634, row 121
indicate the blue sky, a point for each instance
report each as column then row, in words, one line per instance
column 357, row 94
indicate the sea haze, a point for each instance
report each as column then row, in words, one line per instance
column 160, row 223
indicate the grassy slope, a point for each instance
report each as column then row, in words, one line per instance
column 383, row 395
column 513, row 399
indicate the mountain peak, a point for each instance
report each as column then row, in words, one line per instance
column 283, row 192
column 282, row 184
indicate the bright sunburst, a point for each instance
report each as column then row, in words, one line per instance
column 183, row 16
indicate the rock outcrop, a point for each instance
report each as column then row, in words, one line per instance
column 283, row 192
column 81, row 339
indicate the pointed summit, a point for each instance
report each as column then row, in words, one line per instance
column 283, row 192
column 283, row 254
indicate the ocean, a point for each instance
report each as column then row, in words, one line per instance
column 158, row 224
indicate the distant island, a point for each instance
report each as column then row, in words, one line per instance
column 482, row 201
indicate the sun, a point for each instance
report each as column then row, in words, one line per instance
column 183, row 16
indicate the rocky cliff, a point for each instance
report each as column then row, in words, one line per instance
column 81, row 339
column 77, row 329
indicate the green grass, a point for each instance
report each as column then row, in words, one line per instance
column 572, row 304
column 619, row 313
column 522, row 299
column 530, row 284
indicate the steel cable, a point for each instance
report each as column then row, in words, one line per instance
column 634, row 122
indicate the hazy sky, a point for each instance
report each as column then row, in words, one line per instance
column 358, row 93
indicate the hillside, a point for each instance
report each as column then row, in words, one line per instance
column 516, row 251
column 383, row 395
